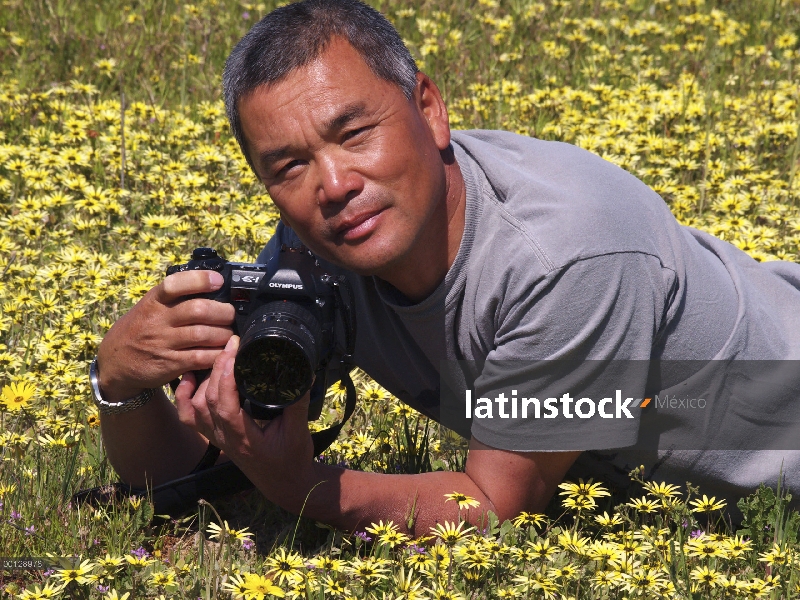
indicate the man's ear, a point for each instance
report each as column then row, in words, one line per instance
column 429, row 101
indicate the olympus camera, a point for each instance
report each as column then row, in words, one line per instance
column 286, row 317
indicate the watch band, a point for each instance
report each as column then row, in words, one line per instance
column 113, row 408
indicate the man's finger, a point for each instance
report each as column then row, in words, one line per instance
column 187, row 283
column 202, row 311
column 193, row 359
column 200, row 336
column 213, row 392
column 183, row 399
column 228, row 397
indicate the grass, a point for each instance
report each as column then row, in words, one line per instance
column 115, row 161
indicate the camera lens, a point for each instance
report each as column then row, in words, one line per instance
column 277, row 357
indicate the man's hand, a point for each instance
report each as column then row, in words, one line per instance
column 276, row 456
column 164, row 335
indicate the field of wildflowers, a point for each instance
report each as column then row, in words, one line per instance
column 115, row 161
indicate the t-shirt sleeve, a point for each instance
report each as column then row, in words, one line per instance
column 586, row 330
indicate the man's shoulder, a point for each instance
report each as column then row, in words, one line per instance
column 512, row 154
column 515, row 163
column 571, row 202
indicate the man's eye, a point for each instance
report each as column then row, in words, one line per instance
column 287, row 167
column 354, row 132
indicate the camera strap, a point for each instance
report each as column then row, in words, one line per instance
column 179, row 496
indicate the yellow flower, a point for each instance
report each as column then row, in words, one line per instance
column 776, row 556
column 50, row 590
column 393, row 538
column 463, row 500
column 381, row 529
column 137, row 561
column 162, row 579
column 581, row 489
column 579, row 503
column 707, row 504
column 526, row 519
column 450, row 533
column 216, row 532
column 258, row 587
column 605, row 520
column 573, row 542
column 17, row 396
column 237, row 587
column 644, row 505
column 335, row 587
column 542, row 549
column 110, row 563
column 537, row 582
column 704, row 548
column 661, row 490
column 368, row 570
column 373, row 393
column 736, row 546
column 705, row 576
column 642, row 581
column 285, row 565
column 78, row 575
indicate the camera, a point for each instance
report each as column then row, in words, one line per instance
column 286, row 317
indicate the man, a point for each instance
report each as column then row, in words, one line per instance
column 474, row 246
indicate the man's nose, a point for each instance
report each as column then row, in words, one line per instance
column 338, row 181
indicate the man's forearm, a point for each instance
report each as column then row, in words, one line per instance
column 150, row 445
column 352, row 500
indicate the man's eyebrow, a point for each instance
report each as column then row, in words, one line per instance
column 350, row 112
column 268, row 157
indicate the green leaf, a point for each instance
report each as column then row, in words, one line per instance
column 506, row 527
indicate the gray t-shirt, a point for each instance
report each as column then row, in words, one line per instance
column 565, row 256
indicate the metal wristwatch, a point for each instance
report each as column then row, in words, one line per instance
column 113, row 408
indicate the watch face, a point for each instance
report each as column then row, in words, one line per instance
column 94, row 380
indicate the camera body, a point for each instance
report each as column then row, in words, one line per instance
column 286, row 312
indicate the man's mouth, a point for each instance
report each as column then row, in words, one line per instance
column 359, row 226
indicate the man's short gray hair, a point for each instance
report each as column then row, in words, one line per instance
column 294, row 35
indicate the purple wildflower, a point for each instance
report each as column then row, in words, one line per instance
column 103, row 588
column 696, row 533
column 245, row 15
column 15, row 515
column 363, row 536
column 140, row 552
column 30, row 530
column 247, row 544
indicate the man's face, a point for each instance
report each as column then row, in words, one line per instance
column 353, row 165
